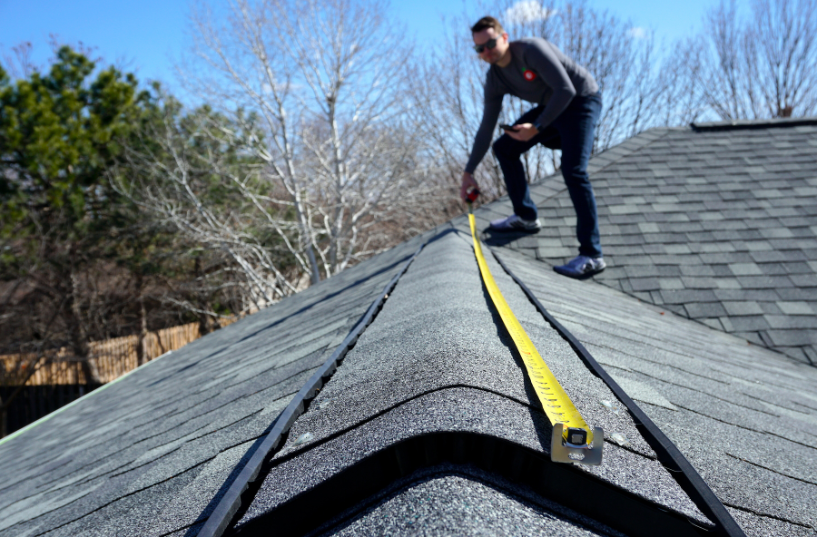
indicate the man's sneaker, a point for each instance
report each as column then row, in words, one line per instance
column 582, row 267
column 514, row 223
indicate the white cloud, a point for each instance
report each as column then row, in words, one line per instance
column 527, row 11
column 637, row 32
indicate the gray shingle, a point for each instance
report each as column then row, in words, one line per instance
column 792, row 338
column 766, row 282
column 796, row 308
column 645, row 284
column 745, row 269
column 685, row 296
column 764, row 295
column 704, row 310
column 699, row 283
column 804, row 280
column 749, row 323
column 808, row 322
column 741, row 308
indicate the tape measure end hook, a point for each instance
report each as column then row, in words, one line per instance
column 582, row 451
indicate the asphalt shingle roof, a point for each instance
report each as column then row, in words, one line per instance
column 451, row 502
column 744, row 416
column 716, row 222
column 430, row 426
column 436, row 361
column 148, row 454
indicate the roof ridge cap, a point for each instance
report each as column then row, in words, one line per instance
column 753, row 123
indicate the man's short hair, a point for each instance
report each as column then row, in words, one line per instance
column 487, row 22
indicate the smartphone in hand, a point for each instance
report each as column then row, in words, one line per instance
column 505, row 127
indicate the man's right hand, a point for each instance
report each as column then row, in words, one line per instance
column 468, row 183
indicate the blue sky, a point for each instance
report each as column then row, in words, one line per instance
column 146, row 36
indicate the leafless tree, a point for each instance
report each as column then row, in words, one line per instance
column 325, row 84
column 760, row 64
column 187, row 180
column 786, row 33
column 19, row 63
column 446, row 96
column 680, row 100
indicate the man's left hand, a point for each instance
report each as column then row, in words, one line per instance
column 523, row 132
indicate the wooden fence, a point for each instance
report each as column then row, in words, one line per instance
column 113, row 358
column 59, row 379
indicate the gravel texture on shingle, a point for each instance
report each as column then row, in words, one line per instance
column 733, row 207
column 763, row 526
column 451, row 502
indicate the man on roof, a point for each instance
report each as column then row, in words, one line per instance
column 568, row 106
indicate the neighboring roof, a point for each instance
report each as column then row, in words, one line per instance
column 717, row 223
column 430, row 425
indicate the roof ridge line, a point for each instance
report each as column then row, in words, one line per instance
column 736, row 124
column 673, row 459
column 391, row 408
column 230, row 503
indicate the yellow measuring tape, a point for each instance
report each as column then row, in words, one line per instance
column 555, row 401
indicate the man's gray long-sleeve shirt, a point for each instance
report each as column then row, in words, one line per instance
column 538, row 73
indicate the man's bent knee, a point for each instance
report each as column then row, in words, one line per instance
column 506, row 147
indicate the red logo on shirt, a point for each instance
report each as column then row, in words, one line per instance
column 529, row 75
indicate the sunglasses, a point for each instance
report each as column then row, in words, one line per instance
column 490, row 45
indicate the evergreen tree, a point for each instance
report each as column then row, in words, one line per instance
column 59, row 134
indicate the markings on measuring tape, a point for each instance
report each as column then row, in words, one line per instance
column 572, row 441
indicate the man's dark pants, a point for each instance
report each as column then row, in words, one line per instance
column 575, row 127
